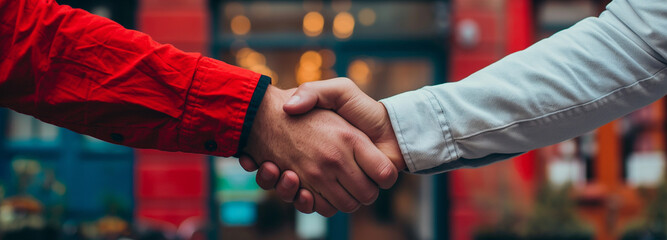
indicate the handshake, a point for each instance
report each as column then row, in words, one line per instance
column 325, row 146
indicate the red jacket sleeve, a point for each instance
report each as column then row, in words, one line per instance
column 88, row 74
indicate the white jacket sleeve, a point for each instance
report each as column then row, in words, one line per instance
column 561, row 87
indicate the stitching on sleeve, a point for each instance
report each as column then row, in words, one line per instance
column 578, row 106
column 445, row 126
column 402, row 138
column 187, row 101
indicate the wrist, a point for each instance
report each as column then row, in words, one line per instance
column 265, row 120
column 390, row 142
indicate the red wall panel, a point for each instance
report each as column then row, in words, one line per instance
column 173, row 187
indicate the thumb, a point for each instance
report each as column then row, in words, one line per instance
column 328, row 94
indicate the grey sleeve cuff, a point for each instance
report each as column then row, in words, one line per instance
column 421, row 127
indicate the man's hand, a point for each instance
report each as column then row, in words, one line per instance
column 345, row 98
column 320, row 148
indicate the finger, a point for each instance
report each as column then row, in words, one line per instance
column 355, row 182
column 339, row 197
column 287, row 186
column 304, row 202
column 360, row 187
column 267, row 175
column 323, row 94
column 247, row 163
column 342, row 96
column 323, row 207
column 375, row 163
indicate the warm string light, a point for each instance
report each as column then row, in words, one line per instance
column 360, row 72
column 240, row 25
column 366, row 17
column 256, row 62
column 309, row 67
column 343, row 25
column 313, row 24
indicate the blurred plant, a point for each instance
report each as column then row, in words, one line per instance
column 25, row 170
column 554, row 216
column 111, row 227
column 115, row 205
column 653, row 224
column 510, row 218
column 19, row 212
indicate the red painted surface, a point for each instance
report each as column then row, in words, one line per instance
column 171, row 188
column 504, row 27
column 519, row 25
column 525, row 165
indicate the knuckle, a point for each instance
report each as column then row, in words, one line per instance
column 370, row 196
column 349, row 136
column 345, row 80
column 303, row 209
column 285, row 195
column 314, row 174
column 387, row 175
column 306, row 86
column 263, row 184
column 327, row 212
column 333, row 158
column 349, row 206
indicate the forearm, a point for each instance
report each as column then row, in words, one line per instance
column 89, row 74
column 559, row 88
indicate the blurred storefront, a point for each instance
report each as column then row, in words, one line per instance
column 607, row 184
column 386, row 47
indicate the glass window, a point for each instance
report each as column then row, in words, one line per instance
column 339, row 18
column 642, row 136
column 384, row 77
column 23, row 128
column 294, row 42
column 95, row 145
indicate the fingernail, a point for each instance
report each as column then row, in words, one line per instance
column 293, row 100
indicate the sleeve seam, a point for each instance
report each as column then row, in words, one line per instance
column 634, row 37
column 188, row 104
column 499, row 128
column 444, row 125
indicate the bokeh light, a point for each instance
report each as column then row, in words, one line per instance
column 367, row 17
column 265, row 70
column 328, row 58
column 309, row 68
column 304, row 76
column 256, row 62
column 311, row 60
column 360, row 72
column 313, row 24
column 240, row 25
column 343, row 25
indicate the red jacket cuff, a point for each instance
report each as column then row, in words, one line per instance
column 220, row 108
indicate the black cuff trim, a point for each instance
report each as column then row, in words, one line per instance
column 255, row 101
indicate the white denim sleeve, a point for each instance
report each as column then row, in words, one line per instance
column 561, row 87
